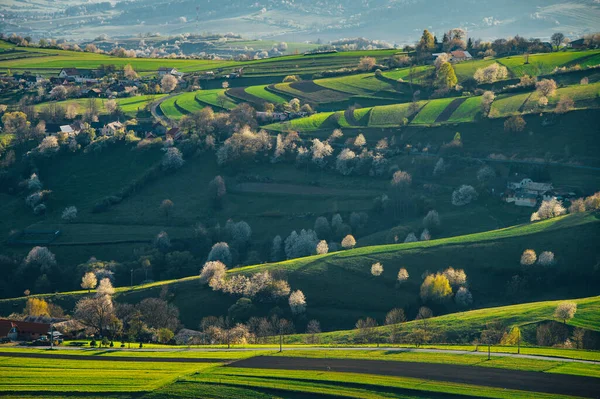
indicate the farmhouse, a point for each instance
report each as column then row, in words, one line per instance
column 460, row 55
column 529, row 186
column 22, row 330
column 173, row 133
column 162, row 71
column 520, row 198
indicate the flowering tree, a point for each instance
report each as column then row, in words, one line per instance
column 376, row 269
column 297, row 302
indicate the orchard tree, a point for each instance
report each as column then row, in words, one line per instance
column 89, row 281
column 402, row 276
column 322, row 247
column 173, row 159
column 41, row 257
column 69, row 214
column 546, row 258
column 436, row 287
column 565, row 104
column 217, row 191
column 565, row 311
column 549, row 209
column 446, row 77
column 528, row 257
column 168, row 83
column 105, row 288
column 213, row 274
column 486, row 102
column 464, row 195
column 348, row 242
column 166, row 206
column 393, row 319
column 515, row 123
column 376, row 269
column 366, row 64
column 220, row 252
column 129, row 72
column 463, row 297
column 546, row 87
column 297, row 302
column 431, row 221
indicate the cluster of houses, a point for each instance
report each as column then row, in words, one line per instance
column 527, row 192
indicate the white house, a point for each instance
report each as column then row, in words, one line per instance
column 460, row 55
column 112, row 128
column 162, row 71
column 529, row 186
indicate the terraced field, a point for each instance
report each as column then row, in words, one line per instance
column 215, row 98
column 170, row 109
column 430, row 112
column 468, row 111
column 363, row 84
column 187, row 102
column 262, row 93
column 309, row 91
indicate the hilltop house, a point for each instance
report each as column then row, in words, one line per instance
column 527, row 192
column 16, row 330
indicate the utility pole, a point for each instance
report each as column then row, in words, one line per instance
column 519, row 343
column 51, row 336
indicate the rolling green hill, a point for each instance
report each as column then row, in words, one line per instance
column 472, row 322
column 340, row 289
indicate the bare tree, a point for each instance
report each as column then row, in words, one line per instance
column 166, row 207
column 546, row 258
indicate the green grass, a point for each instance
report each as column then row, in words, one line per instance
column 541, row 64
column 261, row 92
column 308, row 124
column 170, row 110
column 187, row 102
column 213, row 98
column 351, row 384
column 389, row 115
column 431, row 111
column 75, row 376
column 363, row 84
column 468, row 111
column 513, row 315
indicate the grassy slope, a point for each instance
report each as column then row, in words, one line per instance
column 431, row 111
column 129, row 105
column 489, row 259
column 588, row 310
column 261, row 92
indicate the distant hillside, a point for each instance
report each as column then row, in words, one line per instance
column 398, row 21
column 340, row 288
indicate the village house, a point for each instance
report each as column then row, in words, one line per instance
column 112, row 128
column 78, row 75
column 173, row 133
column 16, row 330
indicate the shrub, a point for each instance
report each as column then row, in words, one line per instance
column 436, row 287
